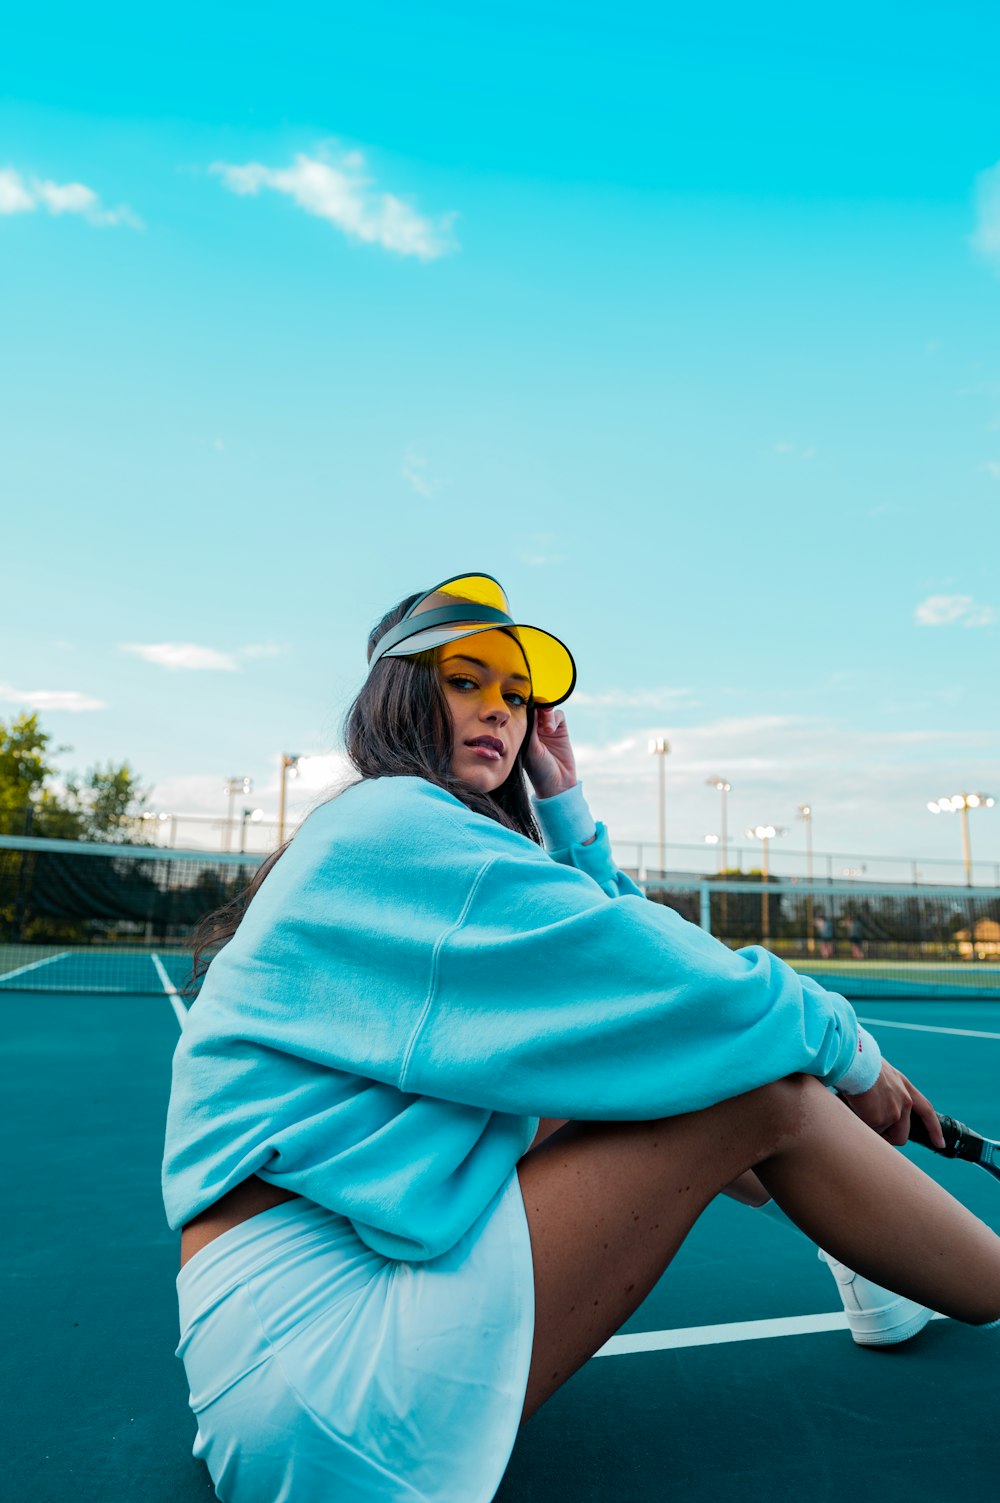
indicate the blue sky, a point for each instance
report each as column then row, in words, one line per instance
column 686, row 328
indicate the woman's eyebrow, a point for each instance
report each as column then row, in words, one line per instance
column 464, row 657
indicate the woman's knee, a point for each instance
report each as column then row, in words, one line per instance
column 781, row 1109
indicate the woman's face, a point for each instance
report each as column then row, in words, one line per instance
column 486, row 686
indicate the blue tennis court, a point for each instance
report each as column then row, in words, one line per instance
column 89, row 971
column 736, row 1377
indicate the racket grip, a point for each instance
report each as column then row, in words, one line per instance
column 960, row 1142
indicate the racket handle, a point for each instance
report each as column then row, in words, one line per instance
column 960, row 1142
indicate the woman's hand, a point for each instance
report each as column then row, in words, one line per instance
column 549, row 760
column 887, row 1107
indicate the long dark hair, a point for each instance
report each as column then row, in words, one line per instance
column 399, row 726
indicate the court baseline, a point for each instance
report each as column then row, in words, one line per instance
column 966, row 1033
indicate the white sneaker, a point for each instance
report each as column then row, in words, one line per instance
column 876, row 1317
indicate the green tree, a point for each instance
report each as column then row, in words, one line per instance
column 108, row 804
column 24, row 771
column 104, row 804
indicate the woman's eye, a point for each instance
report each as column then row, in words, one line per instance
column 461, row 682
column 517, row 700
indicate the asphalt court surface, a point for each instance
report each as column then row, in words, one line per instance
column 96, row 1406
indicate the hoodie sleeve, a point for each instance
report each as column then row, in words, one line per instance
column 549, row 999
column 573, row 838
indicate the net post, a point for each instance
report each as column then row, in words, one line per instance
column 705, row 907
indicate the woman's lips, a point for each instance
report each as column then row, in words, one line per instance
column 487, row 747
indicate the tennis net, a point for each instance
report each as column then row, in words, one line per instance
column 112, row 918
column 107, row 918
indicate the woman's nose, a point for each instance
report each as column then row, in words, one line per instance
column 495, row 709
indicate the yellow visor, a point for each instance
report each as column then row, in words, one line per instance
column 473, row 603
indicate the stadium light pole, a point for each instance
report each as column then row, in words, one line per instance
column 961, row 803
column 234, row 786
column 289, row 769
column 659, row 746
column 254, row 816
column 765, row 834
column 805, row 813
column 724, row 787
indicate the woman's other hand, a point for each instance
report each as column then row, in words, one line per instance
column 549, row 762
column 887, row 1108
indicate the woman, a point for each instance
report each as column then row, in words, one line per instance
column 448, row 1103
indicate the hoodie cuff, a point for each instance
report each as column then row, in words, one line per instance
column 865, row 1069
column 565, row 819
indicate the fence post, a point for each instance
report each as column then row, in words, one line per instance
column 705, row 907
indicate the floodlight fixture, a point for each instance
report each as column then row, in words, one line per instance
column 723, row 787
column 961, row 803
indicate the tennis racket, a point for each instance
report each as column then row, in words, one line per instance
column 960, row 1142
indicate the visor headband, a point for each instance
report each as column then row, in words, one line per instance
column 444, row 615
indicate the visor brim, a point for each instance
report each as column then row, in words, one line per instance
column 550, row 662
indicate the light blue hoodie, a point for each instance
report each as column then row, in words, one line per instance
column 414, row 985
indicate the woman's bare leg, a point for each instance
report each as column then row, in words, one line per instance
column 609, row 1204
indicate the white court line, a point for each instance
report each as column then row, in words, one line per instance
column 173, row 996
column 7, row 975
column 965, row 1033
column 737, row 1330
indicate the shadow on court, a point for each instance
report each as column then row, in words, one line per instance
column 95, row 1402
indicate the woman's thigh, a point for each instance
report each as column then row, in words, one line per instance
column 608, row 1204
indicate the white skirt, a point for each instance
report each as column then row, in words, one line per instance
column 322, row 1372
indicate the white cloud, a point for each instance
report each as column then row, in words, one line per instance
column 175, row 655
column 414, row 470
column 261, row 650
column 14, row 196
column 786, row 447
column 341, row 192
column 51, row 699
column 991, row 467
column 203, row 794
column 636, row 699
column 949, row 610
column 543, row 550
column 25, row 195
column 774, row 762
column 986, row 235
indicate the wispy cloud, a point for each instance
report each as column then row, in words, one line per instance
column 790, row 450
column 416, row 472
column 636, row 699
column 187, row 655
column 986, row 235
column 341, row 191
column 51, row 699
column 21, row 194
column 261, row 650
column 953, row 610
column 318, row 776
column 543, row 550
column 774, row 762
column 991, row 467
